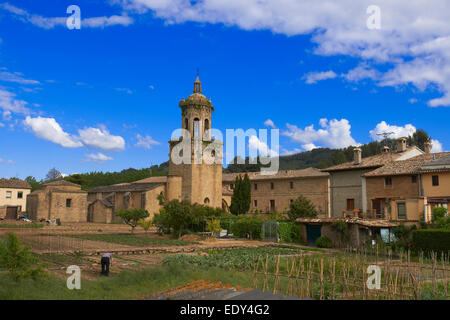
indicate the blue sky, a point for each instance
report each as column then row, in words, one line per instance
column 105, row 97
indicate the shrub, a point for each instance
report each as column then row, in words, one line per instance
column 289, row 232
column 428, row 240
column 301, row 208
column 324, row 242
column 145, row 224
column 439, row 213
column 403, row 235
column 443, row 223
column 248, row 225
column 18, row 259
column 213, row 226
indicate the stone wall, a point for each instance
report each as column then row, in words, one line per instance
column 345, row 185
column 315, row 189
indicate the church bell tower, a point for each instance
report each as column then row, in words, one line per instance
column 195, row 167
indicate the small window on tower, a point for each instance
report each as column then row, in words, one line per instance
column 196, row 127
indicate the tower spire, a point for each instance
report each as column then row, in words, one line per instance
column 197, row 86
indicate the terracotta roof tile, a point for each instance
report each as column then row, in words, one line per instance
column 14, row 184
column 281, row 174
column 405, row 167
column 375, row 161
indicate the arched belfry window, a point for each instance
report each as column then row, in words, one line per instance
column 186, row 123
column 196, row 127
column 206, row 201
column 207, row 128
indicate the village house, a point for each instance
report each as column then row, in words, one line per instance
column 58, row 199
column 436, row 184
column 13, row 197
column 395, row 191
column 104, row 202
column 347, row 184
column 271, row 193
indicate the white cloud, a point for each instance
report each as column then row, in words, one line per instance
column 145, row 142
column 334, row 134
column 97, row 158
column 362, row 71
column 152, row 87
column 7, row 115
column 413, row 100
column 436, row 146
column 51, row 22
column 412, row 46
column 262, row 147
column 126, row 90
column 269, row 123
column 16, row 77
column 100, row 138
column 49, row 129
column 8, row 102
column 314, row 77
column 391, row 131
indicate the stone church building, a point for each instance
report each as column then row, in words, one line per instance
column 195, row 174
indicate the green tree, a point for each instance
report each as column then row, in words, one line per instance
column 236, row 198
column 131, row 217
column 18, row 259
column 35, row 185
column 241, row 198
column 418, row 139
column 301, row 208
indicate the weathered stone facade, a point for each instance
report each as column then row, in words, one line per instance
column 275, row 192
column 58, row 199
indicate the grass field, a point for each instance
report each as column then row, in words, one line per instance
column 132, row 240
column 126, row 285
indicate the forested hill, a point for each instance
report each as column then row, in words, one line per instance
column 318, row 158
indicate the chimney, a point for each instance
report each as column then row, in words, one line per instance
column 427, row 147
column 386, row 149
column 357, row 155
column 401, row 144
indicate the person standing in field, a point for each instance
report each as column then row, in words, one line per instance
column 106, row 262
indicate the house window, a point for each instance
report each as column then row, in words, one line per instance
column 414, row 179
column 19, row 195
column 256, row 186
column 291, row 201
column 435, row 181
column 272, row 185
column 8, row 194
column 68, row 203
column 388, row 182
column 401, row 211
column 292, row 185
column 231, row 186
column 350, row 204
column 272, row 205
column 255, row 203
